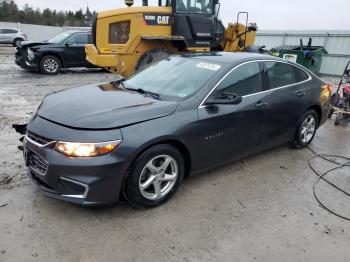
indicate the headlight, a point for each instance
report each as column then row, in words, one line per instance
column 86, row 149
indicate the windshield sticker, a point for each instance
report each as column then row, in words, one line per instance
column 213, row 67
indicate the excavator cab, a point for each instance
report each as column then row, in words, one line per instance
column 194, row 20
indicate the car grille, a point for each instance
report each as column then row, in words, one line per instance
column 37, row 163
column 38, row 139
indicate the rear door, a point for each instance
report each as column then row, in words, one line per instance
column 231, row 131
column 74, row 51
column 287, row 99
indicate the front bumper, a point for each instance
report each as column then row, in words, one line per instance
column 22, row 60
column 82, row 181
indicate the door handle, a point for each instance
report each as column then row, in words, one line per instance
column 261, row 104
column 300, row 93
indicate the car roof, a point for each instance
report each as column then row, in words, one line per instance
column 230, row 58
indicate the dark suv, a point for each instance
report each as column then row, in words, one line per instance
column 65, row 50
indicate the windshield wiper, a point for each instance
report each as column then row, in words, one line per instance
column 145, row 92
column 119, row 82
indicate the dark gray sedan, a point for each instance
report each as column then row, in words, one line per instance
column 142, row 135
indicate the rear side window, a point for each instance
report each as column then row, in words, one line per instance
column 244, row 80
column 80, row 39
column 280, row 74
column 119, row 32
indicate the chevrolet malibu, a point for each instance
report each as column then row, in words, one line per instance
column 140, row 136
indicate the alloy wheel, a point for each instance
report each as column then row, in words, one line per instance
column 51, row 65
column 158, row 177
column 308, row 129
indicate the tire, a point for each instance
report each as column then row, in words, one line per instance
column 151, row 56
column 50, row 65
column 330, row 113
column 148, row 168
column 306, row 129
column 17, row 41
column 338, row 118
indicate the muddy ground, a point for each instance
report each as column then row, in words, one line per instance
column 259, row 209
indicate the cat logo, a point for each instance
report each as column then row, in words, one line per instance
column 163, row 20
column 155, row 19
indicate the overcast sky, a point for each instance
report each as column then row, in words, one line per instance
column 268, row 14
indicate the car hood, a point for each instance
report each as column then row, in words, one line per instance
column 102, row 107
column 25, row 44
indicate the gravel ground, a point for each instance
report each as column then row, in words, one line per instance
column 258, row 209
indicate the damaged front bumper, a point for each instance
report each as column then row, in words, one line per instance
column 80, row 181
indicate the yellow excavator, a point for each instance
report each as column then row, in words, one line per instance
column 127, row 39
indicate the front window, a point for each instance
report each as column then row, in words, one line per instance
column 175, row 77
column 60, row 38
column 194, row 6
column 119, row 32
column 244, row 80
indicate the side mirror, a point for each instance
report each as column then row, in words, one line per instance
column 68, row 44
column 224, row 99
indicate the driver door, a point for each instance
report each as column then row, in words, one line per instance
column 74, row 51
column 232, row 131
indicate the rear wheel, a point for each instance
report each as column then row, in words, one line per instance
column 306, row 129
column 155, row 177
column 17, row 41
column 338, row 119
column 151, row 56
column 50, row 65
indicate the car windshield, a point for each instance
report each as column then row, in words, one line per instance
column 60, row 38
column 175, row 77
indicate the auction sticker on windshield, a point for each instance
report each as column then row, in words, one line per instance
column 209, row 66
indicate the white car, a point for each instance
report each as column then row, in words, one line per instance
column 12, row 36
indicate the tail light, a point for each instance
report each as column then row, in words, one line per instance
column 326, row 93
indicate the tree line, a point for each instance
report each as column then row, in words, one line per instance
column 10, row 12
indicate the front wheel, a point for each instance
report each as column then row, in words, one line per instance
column 151, row 56
column 155, row 177
column 50, row 65
column 306, row 129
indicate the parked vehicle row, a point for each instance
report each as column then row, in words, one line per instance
column 140, row 136
column 65, row 50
